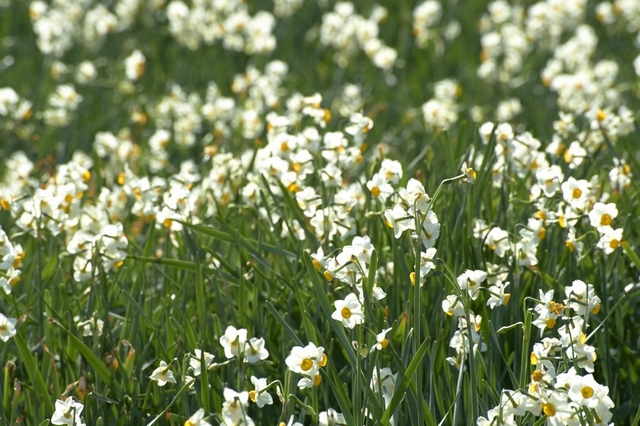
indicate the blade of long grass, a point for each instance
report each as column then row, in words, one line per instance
column 401, row 387
column 34, row 373
column 95, row 362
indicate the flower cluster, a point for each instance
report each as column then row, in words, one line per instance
column 229, row 22
column 557, row 389
column 442, row 111
column 307, row 361
column 235, row 344
column 346, row 31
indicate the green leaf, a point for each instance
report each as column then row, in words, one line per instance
column 26, row 357
column 405, row 382
column 200, row 299
column 233, row 238
column 182, row 390
column 180, row 264
column 631, row 254
column 283, row 323
column 95, row 362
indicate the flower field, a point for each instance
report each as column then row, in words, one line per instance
column 290, row 212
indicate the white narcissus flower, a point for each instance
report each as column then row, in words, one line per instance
column 550, row 180
column 381, row 340
column 498, row 240
column 259, row 395
column 498, row 296
column 601, row 215
column 233, row 341
column 195, row 361
column 468, row 172
column 610, row 240
column 576, row 193
column 163, row 375
column 471, row 281
column 398, row 220
column 349, row 311
column 197, row 419
column 582, row 297
column 331, row 418
column 7, row 327
column 255, row 351
column 430, row 229
column 426, row 262
column 307, row 361
column 234, row 408
column 417, row 195
column 452, row 306
column 379, row 187
column 134, row 65
column 67, row 413
column 586, row 391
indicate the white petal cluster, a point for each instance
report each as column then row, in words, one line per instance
column 348, row 32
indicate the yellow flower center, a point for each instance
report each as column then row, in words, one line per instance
column 595, row 309
column 569, row 245
column 346, row 313
column 576, row 193
column 316, row 264
column 323, row 360
column 605, row 220
column 306, row 364
column 507, row 297
column 550, row 323
column 548, row 409
column 537, row 375
column 412, row 278
column 328, row 276
column 614, row 244
column 562, row 222
column 252, row 395
column 284, row 147
column 541, row 233
column 586, row 392
column 568, row 156
column 471, row 173
column 375, row 191
column 317, row 380
column 384, row 343
column 294, row 187
column 556, row 308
